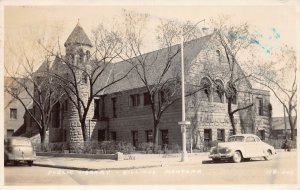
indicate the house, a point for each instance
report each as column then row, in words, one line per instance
column 122, row 112
column 280, row 128
column 14, row 111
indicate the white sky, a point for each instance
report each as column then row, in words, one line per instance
column 42, row 20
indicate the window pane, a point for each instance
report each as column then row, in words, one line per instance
column 13, row 113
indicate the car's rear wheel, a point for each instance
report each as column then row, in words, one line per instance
column 237, row 157
column 268, row 155
column 30, row 163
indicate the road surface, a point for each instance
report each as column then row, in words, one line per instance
column 281, row 170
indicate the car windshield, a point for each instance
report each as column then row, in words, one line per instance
column 17, row 142
column 236, row 139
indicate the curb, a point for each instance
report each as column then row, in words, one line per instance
column 92, row 169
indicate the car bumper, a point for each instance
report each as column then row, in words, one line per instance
column 12, row 157
column 220, row 156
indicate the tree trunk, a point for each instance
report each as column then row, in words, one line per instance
column 155, row 134
column 231, row 116
column 292, row 126
column 83, row 129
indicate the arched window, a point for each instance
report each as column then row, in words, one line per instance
column 81, row 55
column 218, row 92
column 205, row 92
column 231, row 93
column 88, row 55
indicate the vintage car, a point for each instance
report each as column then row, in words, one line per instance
column 241, row 147
column 18, row 149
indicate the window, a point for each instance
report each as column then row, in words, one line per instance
column 230, row 132
column 232, row 93
column 9, row 132
column 96, row 108
column 56, row 115
column 84, row 78
column 234, row 99
column 88, row 55
column 66, row 105
column 81, row 55
column 259, row 105
column 165, row 137
column 250, row 139
column 149, row 136
column 134, row 138
column 65, row 135
column 113, row 136
column 14, row 91
column 205, row 92
column 134, row 100
column 221, row 135
column 218, row 91
column 101, row 135
column 147, row 99
column 207, row 135
column 13, row 113
column 262, row 134
column 218, row 55
column 114, row 100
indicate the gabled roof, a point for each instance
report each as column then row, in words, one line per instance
column 78, row 36
column 157, row 59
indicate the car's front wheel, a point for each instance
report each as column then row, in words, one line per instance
column 268, row 155
column 237, row 157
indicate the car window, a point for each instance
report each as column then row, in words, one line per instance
column 236, row 138
column 239, row 138
column 257, row 139
column 250, row 139
column 231, row 139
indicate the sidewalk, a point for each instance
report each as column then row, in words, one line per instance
column 134, row 161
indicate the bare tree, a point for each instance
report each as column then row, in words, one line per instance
column 158, row 71
column 233, row 40
column 40, row 89
column 28, row 78
column 279, row 75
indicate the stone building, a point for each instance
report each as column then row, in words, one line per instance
column 14, row 111
column 123, row 113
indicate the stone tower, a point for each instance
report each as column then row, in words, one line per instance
column 78, row 47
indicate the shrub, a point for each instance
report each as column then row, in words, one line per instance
column 146, row 147
column 125, row 147
column 279, row 143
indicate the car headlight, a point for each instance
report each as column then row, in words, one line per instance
column 227, row 150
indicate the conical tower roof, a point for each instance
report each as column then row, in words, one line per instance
column 78, row 36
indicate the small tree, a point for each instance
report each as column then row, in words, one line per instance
column 40, row 89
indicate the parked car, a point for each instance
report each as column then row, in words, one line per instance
column 18, row 149
column 241, row 147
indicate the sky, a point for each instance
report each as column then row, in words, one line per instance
column 276, row 25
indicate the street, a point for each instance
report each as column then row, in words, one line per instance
column 281, row 170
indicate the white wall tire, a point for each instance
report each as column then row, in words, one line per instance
column 237, row 157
